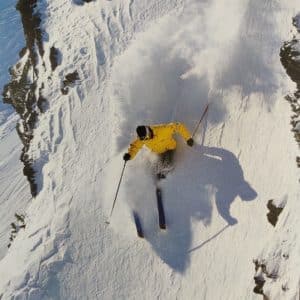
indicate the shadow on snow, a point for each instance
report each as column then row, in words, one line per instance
column 202, row 174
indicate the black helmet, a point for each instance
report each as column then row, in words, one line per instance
column 141, row 132
column 144, row 132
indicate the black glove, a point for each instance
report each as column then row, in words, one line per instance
column 126, row 156
column 190, row 142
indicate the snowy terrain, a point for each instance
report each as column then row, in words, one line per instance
column 11, row 37
column 148, row 62
column 14, row 190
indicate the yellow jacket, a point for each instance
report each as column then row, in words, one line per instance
column 162, row 140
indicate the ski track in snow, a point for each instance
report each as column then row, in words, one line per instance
column 149, row 62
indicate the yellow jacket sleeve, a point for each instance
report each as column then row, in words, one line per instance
column 135, row 147
column 182, row 130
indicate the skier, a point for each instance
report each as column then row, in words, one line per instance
column 159, row 139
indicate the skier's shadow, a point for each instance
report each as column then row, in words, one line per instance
column 201, row 175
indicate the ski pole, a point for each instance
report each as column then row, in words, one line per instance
column 202, row 116
column 117, row 191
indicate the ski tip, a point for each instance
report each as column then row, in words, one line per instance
column 107, row 222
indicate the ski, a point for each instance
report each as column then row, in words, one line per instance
column 138, row 225
column 160, row 207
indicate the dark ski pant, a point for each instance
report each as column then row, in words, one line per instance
column 167, row 158
column 166, row 161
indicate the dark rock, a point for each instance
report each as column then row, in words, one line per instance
column 274, row 212
column 55, row 58
column 69, row 81
column 289, row 56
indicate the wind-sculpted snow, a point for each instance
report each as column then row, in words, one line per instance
column 14, row 191
column 12, row 42
column 147, row 62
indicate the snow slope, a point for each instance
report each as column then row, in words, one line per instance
column 12, row 41
column 146, row 62
column 14, row 190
